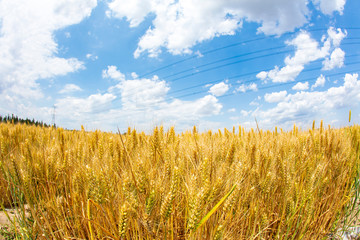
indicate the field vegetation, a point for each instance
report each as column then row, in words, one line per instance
column 229, row 184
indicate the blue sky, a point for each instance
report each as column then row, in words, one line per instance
column 209, row 63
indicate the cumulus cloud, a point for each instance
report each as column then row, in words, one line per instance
column 134, row 75
column 301, row 86
column 137, row 93
column 151, row 93
column 73, row 112
column 140, row 93
column 144, row 101
column 12, row 104
column 263, row 75
column 134, row 11
column 219, row 89
column 336, row 60
column 207, row 106
column 69, row 88
column 187, row 113
column 320, row 82
column 330, row 6
column 27, row 46
column 112, row 72
column 245, row 113
column 244, row 88
column 308, row 50
column 275, row 96
column 312, row 105
column 74, row 106
column 255, row 101
column 336, row 36
column 91, row 56
column 179, row 25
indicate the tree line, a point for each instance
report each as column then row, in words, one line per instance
column 15, row 119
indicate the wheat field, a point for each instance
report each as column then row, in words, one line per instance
column 229, row 184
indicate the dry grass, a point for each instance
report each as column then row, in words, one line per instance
column 95, row 185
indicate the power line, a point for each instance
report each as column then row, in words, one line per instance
column 243, row 75
column 205, row 53
column 234, row 45
column 219, row 80
column 226, row 59
column 234, row 63
column 244, row 60
column 229, row 58
column 297, row 81
column 216, row 67
column 233, row 77
column 228, row 64
column 261, row 88
column 256, row 80
column 154, row 104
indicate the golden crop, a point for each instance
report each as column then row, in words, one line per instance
column 95, row 185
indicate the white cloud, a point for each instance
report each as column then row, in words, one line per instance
column 179, row 25
column 336, row 36
column 112, row 72
column 12, row 104
column 262, row 75
column 275, row 96
column 207, row 106
column 336, row 60
column 232, row 110
column 241, row 88
column 137, row 93
column 27, row 45
column 69, row 88
column 73, row 111
column 253, row 87
column 244, row 88
column 189, row 111
column 301, row 86
column 330, row 6
column 140, row 93
column 179, row 113
column 134, row 75
column 198, row 54
column 320, row 82
column 151, row 93
column 254, row 102
column 245, row 113
column 91, row 56
column 134, row 11
column 313, row 105
column 307, row 50
column 76, row 105
column 219, row 89
column 144, row 101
